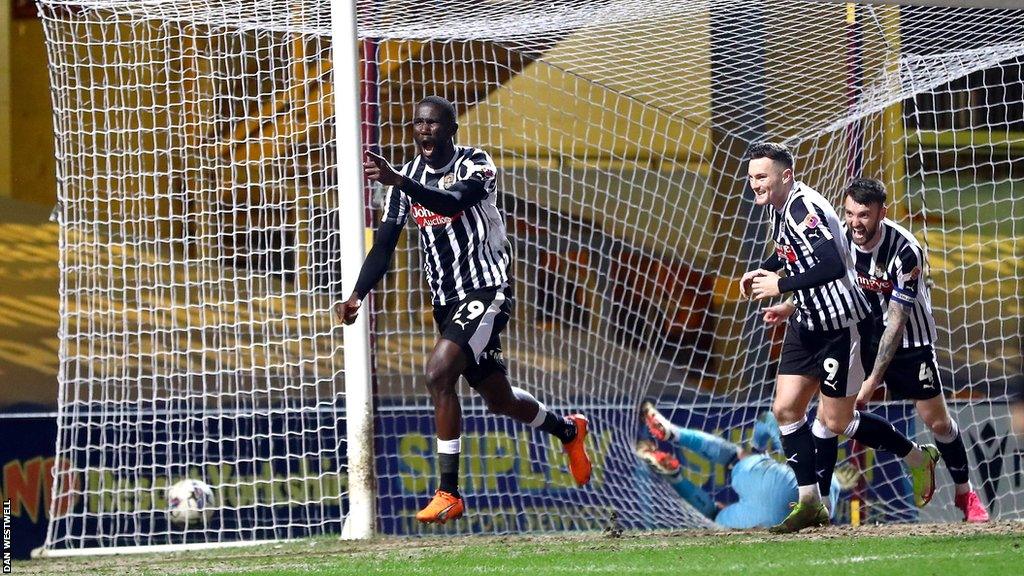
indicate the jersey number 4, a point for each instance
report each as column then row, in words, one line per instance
column 925, row 375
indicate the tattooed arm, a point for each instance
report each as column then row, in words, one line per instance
column 892, row 340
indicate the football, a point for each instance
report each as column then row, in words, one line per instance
column 189, row 502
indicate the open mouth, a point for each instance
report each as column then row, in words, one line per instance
column 859, row 234
column 427, row 148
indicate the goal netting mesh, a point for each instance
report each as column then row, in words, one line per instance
column 200, row 245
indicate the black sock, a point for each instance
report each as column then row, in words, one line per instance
column 449, row 467
column 954, row 454
column 826, row 451
column 799, row 449
column 559, row 427
column 875, row 432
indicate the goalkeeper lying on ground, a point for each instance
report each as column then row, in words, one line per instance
column 764, row 486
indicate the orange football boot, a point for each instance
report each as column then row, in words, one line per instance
column 442, row 508
column 579, row 462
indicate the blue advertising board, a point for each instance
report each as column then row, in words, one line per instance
column 282, row 476
column 515, row 479
column 26, row 455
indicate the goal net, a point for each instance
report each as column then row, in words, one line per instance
column 200, row 245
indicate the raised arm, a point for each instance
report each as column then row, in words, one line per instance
column 461, row 195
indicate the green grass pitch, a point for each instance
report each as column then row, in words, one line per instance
column 941, row 550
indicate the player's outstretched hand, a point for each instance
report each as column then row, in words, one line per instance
column 747, row 281
column 765, row 286
column 778, row 314
column 348, row 310
column 377, row 169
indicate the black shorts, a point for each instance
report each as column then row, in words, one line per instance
column 475, row 323
column 825, row 355
column 913, row 374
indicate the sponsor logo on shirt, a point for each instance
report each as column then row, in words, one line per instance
column 785, row 252
column 425, row 217
column 874, row 284
column 811, row 221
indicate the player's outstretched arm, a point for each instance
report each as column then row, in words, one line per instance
column 892, row 339
column 374, row 268
column 459, row 196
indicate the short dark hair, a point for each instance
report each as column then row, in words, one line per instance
column 777, row 152
column 867, row 191
column 444, row 105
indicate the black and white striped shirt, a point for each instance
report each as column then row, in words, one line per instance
column 466, row 252
column 806, row 221
column 894, row 270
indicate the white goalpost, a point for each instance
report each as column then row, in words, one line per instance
column 360, row 521
column 213, row 211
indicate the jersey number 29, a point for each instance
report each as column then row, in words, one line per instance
column 474, row 308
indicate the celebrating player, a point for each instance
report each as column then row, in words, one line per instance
column 897, row 343
column 820, row 336
column 764, row 487
column 450, row 191
column 898, row 335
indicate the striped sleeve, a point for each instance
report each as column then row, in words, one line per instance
column 906, row 275
column 808, row 223
column 396, row 207
column 396, row 203
column 479, row 166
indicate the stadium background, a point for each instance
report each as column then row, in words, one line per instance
column 28, row 273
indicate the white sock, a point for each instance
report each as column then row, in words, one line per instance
column 542, row 410
column 851, row 428
column 809, row 493
column 822, row 431
column 787, row 429
column 449, row 446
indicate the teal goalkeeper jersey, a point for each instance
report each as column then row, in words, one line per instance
column 765, row 488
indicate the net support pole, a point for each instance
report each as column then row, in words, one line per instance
column 359, row 523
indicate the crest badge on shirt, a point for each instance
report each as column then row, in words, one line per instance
column 447, row 181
